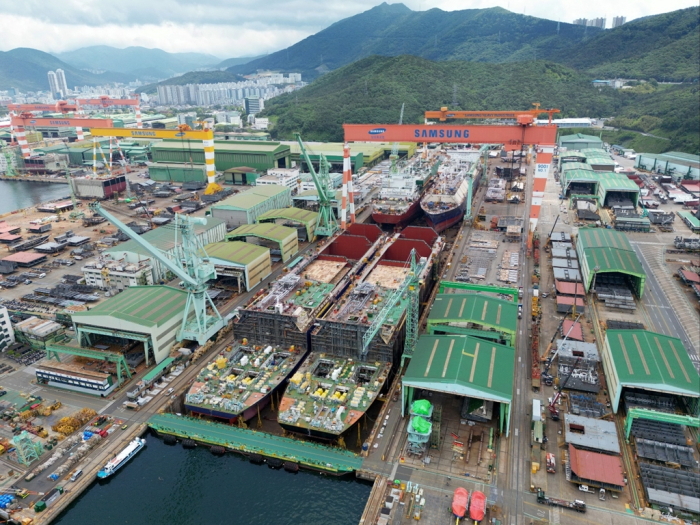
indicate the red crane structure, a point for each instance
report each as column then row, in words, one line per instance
column 104, row 102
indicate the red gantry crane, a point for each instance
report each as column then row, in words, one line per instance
column 105, row 102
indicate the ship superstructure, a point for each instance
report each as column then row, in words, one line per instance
column 399, row 197
column 122, row 458
column 445, row 202
column 238, row 382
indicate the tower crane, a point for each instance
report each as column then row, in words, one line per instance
column 326, row 223
column 553, row 404
column 411, row 286
column 527, row 116
column 546, row 377
column 395, row 148
column 192, row 265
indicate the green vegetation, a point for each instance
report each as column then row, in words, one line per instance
column 373, row 89
column 148, row 64
column 25, row 69
column 195, row 77
column 664, row 47
column 230, row 62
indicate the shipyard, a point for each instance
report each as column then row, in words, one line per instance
column 464, row 315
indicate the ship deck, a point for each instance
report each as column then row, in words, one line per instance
column 237, row 379
column 330, row 394
column 246, row 441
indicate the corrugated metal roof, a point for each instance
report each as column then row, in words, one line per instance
column 571, row 166
column 596, row 467
column 476, row 308
column 644, row 359
column 251, row 198
column 236, row 251
column 24, row 257
column 568, row 288
column 609, row 250
column 143, row 305
column 162, row 238
column 293, row 214
column 272, row 231
column 236, row 146
column 592, row 433
column 575, row 333
column 463, row 365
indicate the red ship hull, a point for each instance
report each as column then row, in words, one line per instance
column 409, row 214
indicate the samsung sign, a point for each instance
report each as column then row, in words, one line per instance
column 59, row 122
column 377, row 131
column 143, row 133
column 451, row 133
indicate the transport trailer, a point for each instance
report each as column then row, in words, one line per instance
column 577, row 504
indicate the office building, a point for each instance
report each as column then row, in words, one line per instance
column 61, row 79
column 254, row 105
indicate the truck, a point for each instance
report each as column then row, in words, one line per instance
column 577, row 504
column 551, row 463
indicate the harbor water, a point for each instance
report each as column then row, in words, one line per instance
column 168, row 485
column 22, row 194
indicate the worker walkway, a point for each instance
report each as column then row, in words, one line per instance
column 247, row 441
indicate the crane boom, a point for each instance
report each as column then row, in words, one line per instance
column 326, row 223
column 410, row 280
column 522, row 116
column 395, row 146
column 191, row 264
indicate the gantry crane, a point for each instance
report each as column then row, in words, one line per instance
column 527, row 116
column 326, row 223
column 183, row 132
column 395, row 148
column 411, row 286
column 192, row 265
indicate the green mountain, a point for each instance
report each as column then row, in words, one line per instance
column 25, row 69
column 194, row 77
column 664, row 47
column 480, row 35
column 372, row 90
column 148, row 64
column 229, row 62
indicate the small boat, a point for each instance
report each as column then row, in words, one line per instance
column 122, row 458
column 477, row 507
column 460, row 501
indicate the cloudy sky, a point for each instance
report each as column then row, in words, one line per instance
column 233, row 28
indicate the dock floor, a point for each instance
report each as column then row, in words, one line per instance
column 311, row 455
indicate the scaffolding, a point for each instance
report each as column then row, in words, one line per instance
column 27, row 450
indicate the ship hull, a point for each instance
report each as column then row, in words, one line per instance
column 103, row 475
column 442, row 220
column 408, row 215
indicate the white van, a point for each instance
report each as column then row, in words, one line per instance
column 76, row 475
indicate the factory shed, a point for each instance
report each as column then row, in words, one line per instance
column 281, row 240
column 568, row 288
column 569, row 166
column 303, row 220
column 163, row 238
column 616, row 186
column 579, row 141
column 252, row 261
column 151, row 315
column 247, row 206
column 676, row 164
column 650, row 362
column 588, row 433
column 566, row 275
column 241, row 176
column 574, row 330
column 603, row 251
column 462, row 366
column 565, row 304
column 596, row 470
column 177, row 172
column 228, row 154
column 579, row 181
column 25, row 259
column 465, row 313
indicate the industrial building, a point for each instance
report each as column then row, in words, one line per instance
column 464, row 366
column 280, row 240
column 365, row 154
column 579, row 141
column 475, row 315
column 648, row 362
column 616, row 187
column 177, row 172
column 151, row 315
column 7, row 333
column 607, row 256
column 303, row 220
column 38, row 333
column 164, row 239
column 261, row 156
column 596, row 470
column 588, row 433
column 109, row 274
column 676, row 164
column 240, row 260
column 241, row 176
column 246, row 207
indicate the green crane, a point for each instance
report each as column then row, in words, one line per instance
column 394, row 157
column 326, row 223
column 75, row 214
column 191, row 264
column 10, row 171
column 411, row 286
